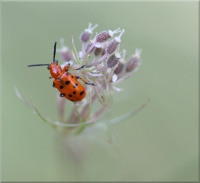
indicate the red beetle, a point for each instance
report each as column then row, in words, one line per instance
column 66, row 83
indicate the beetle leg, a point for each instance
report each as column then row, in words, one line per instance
column 78, row 77
column 77, row 68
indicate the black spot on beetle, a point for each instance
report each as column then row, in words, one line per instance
column 74, row 92
column 70, row 95
column 53, row 84
column 81, row 93
column 61, row 87
column 67, row 82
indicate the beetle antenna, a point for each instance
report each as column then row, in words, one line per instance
column 35, row 65
column 54, row 52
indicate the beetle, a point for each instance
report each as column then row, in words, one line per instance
column 66, row 83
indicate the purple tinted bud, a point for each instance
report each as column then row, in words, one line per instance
column 103, row 51
column 112, row 46
column 64, row 51
column 132, row 64
column 85, row 36
column 97, row 51
column 113, row 60
column 67, row 56
column 119, row 68
column 89, row 45
column 134, row 61
column 105, row 35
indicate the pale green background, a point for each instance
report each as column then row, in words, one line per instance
column 158, row 144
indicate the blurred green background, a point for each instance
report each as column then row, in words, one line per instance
column 158, row 144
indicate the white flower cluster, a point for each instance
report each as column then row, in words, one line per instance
column 105, row 66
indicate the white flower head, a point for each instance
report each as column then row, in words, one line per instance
column 97, row 73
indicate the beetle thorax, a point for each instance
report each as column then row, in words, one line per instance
column 55, row 70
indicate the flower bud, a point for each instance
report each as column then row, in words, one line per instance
column 89, row 45
column 85, row 36
column 133, row 62
column 97, row 51
column 112, row 46
column 67, row 56
column 121, row 64
column 65, row 52
column 105, row 35
column 113, row 60
column 103, row 51
column 119, row 68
